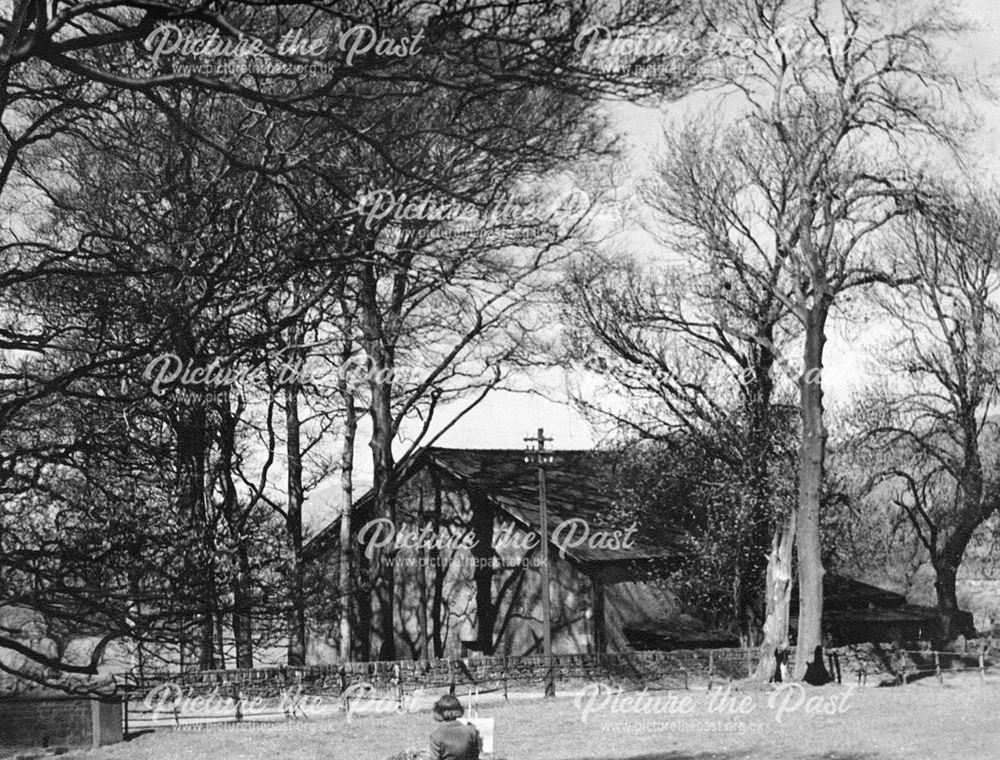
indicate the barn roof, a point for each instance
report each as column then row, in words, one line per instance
column 579, row 484
column 854, row 604
column 843, row 593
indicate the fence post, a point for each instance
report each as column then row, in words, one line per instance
column 125, row 707
column 503, row 678
column 982, row 666
column 902, row 659
column 398, row 673
column 550, row 684
column 711, row 668
column 451, row 677
column 937, row 667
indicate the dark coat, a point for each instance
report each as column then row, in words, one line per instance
column 455, row 741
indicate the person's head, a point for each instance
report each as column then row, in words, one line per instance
column 448, row 708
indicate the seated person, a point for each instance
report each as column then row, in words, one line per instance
column 453, row 740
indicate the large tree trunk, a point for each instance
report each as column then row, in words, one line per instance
column 242, row 608
column 204, row 566
column 422, row 575
column 947, row 596
column 778, row 595
column 973, row 510
column 385, row 499
column 192, row 447
column 242, row 577
column 482, row 552
column 764, row 600
column 363, row 591
column 437, row 593
column 811, row 462
column 346, row 507
column 753, row 589
column 293, row 522
column 948, row 559
column 379, row 346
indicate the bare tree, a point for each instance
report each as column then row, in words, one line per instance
column 62, row 61
column 846, row 114
column 700, row 340
column 932, row 421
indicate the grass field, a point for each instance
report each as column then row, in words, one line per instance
column 959, row 720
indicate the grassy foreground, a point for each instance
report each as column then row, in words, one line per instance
column 925, row 720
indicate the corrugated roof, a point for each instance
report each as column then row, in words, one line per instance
column 843, row 593
column 579, row 484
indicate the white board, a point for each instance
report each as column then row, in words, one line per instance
column 485, row 728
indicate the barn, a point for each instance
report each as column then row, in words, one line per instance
column 473, row 584
column 468, row 579
column 856, row 612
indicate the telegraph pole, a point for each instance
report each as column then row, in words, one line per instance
column 542, row 458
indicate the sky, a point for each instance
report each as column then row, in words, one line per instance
column 504, row 419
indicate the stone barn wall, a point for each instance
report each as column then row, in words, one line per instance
column 58, row 720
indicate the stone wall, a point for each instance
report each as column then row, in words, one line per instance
column 272, row 693
column 677, row 669
column 58, row 720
